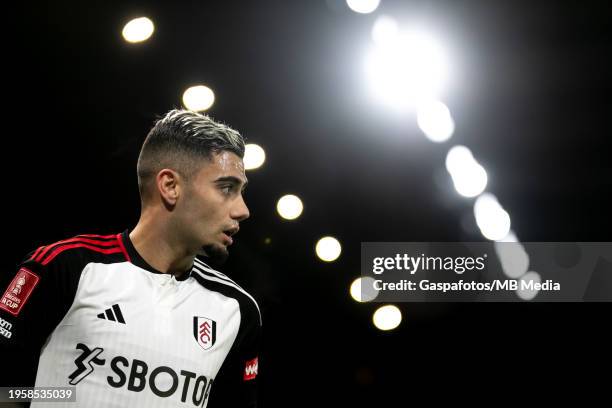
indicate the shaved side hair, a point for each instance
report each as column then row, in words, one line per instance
column 180, row 141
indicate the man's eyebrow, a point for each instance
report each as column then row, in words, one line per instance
column 232, row 179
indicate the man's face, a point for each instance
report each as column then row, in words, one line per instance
column 213, row 205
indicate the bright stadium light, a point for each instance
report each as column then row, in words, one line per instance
column 435, row 120
column 328, row 249
column 138, row 30
column 362, row 289
column 385, row 30
column 469, row 177
column 198, row 98
column 363, row 6
column 289, row 207
column 405, row 70
column 528, row 293
column 491, row 218
column 387, row 317
column 254, row 156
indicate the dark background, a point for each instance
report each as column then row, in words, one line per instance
column 530, row 96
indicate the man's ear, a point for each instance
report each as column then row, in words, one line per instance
column 168, row 186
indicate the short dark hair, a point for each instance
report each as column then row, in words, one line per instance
column 179, row 141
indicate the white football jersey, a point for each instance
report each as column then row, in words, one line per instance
column 126, row 335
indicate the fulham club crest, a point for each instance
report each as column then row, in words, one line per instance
column 204, row 331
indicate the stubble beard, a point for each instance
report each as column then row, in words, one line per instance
column 217, row 254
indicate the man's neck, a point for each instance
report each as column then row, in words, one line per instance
column 154, row 243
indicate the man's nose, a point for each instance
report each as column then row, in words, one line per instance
column 240, row 211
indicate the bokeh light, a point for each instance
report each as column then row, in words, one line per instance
column 435, row 120
column 254, row 156
column 469, row 177
column 363, row 6
column 328, row 249
column 491, row 218
column 138, row 30
column 362, row 289
column 529, row 293
column 387, row 317
column 198, row 98
column 289, row 207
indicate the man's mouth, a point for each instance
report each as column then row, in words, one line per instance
column 228, row 235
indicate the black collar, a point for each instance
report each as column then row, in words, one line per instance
column 136, row 259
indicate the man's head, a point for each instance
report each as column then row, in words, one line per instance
column 190, row 171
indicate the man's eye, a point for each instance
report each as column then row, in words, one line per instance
column 226, row 189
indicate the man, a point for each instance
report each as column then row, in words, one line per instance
column 136, row 319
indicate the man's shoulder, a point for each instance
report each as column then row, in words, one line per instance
column 212, row 279
column 78, row 250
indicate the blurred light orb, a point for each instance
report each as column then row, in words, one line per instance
column 435, row 120
column 471, row 181
column 387, row 317
column 138, row 30
column 363, row 6
column 491, row 218
column 198, row 98
column 254, row 156
column 385, row 30
column 527, row 293
column 289, row 207
column 328, row 249
column 457, row 157
column 405, row 70
column 362, row 289
column 469, row 177
column 512, row 257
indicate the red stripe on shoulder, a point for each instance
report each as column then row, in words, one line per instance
column 59, row 250
column 36, row 253
column 122, row 245
column 98, row 236
column 44, row 253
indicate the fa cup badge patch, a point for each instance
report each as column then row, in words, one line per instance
column 18, row 291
